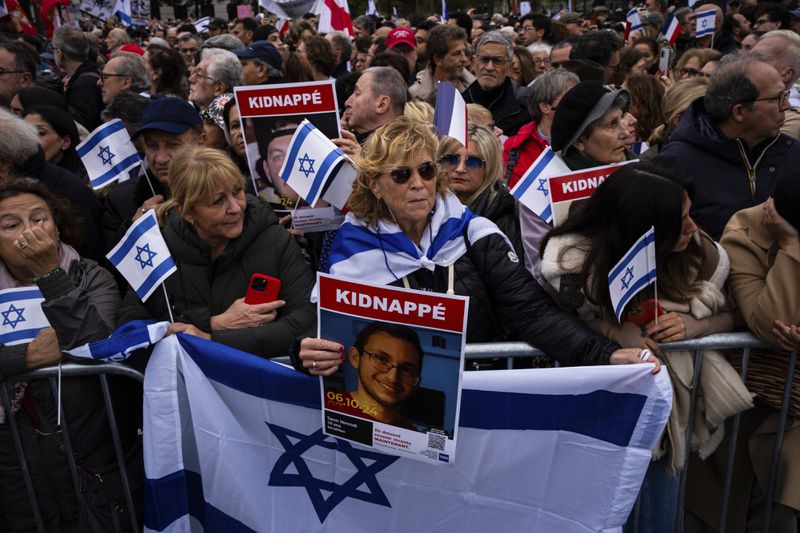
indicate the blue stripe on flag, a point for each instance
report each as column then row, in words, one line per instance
column 137, row 232
column 547, row 213
column 362, row 240
column 23, row 334
column 632, row 290
column 116, row 170
column 450, row 227
column 649, row 238
column 20, row 295
column 533, row 173
column 319, row 180
column 251, row 374
column 178, row 494
column 154, row 277
column 94, row 140
column 603, row 415
column 443, row 114
column 301, row 138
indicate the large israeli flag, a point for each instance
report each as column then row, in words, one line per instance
column 108, row 154
column 234, row 442
column 635, row 271
column 313, row 164
column 21, row 314
column 533, row 191
column 142, row 256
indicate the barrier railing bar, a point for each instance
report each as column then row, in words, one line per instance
column 74, row 370
column 680, row 511
column 119, row 452
column 73, row 469
column 776, row 452
column 23, row 462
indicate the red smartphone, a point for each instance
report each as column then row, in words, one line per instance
column 262, row 289
column 645, row 312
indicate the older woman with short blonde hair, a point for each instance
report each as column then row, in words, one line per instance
column 219, row 237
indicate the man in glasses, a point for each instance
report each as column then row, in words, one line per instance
column 447, row 49
column 781, row 49
column 17, row 70
column 125, row 71
column 494, row 89
column 388, row 359
column 535, row 28
column 771, row 17
column 218, row 72
column 730, row 142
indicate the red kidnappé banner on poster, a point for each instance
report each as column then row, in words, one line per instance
column 431, row 310
column 578, row 185
column 294, row 99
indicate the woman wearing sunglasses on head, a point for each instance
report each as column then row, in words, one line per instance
column 474, row 176
column 406, row 229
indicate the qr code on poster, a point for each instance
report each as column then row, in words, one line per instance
column 436, row 441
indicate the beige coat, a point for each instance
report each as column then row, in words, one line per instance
column 425, row 86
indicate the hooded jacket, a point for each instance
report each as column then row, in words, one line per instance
column 202, row 287
column 728, row 175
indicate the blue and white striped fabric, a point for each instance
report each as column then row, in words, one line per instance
column 122, row 342
column 122, row 9
column 371, row 9
column 706, row 21
column 383, row 254
column 533, row 190
column 201, row 25
column 635, row 271
column 311, row 162
column 21, row 314
column 450, row 115
column 539, row 450
column 142, row 256
column 445, row 16
column 634, row 19
column 108, row 154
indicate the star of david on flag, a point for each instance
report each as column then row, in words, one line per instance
column 635, row 271
column 142, row 256
column 108, row 154
column 532, row 189
column 21, row 315
column 706, row 22
column 316, row 168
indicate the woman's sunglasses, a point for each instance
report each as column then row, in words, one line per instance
column 451, row 161
column 427, row 171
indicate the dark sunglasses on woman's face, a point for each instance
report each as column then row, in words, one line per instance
column 426, row 171
column 451, row 161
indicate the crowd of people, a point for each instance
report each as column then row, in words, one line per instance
column 713, row 120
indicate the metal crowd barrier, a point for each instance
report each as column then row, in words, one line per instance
column 508, row 351
column 70, row 371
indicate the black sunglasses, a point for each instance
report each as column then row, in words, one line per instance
column 471, row 162
column 427, row 171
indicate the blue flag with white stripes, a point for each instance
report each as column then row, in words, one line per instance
column 108, row 154
column 142, row 256
column 21, row 315
column 635, row 271
column 539, row 450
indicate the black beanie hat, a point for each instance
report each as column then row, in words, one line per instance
column 582, row 105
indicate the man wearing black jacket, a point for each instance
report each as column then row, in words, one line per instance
column 71, row 49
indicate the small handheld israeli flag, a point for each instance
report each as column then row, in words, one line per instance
column 450, row 116
column 532, row 189
column 313, row 165
column 122, row 342
column 21, row 314
column 108, row 154
column 122, row 9
column 635, row 20
column 706, row 21
column 201, row 25
column 142, row 256
column 635, row 271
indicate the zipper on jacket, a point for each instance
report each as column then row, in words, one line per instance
column 751, row 169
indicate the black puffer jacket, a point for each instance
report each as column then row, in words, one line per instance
column 497, row 204
column 507, row 304
column 202, row 288
column 80, row 305
column 83, row 96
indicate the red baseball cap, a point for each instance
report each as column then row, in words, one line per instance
column 401, row 35
column 132, row 48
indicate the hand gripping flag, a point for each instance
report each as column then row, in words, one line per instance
column 634, row 19
column 532, row 189
column 672, row 28
column 539, row 450
column 142, row 256
column 201, row 25
column 635, row 271
column 122, row 342
column 450, row 116
column 21, row 314
column 706, row 21
column 316, row 168
column 108, row 154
